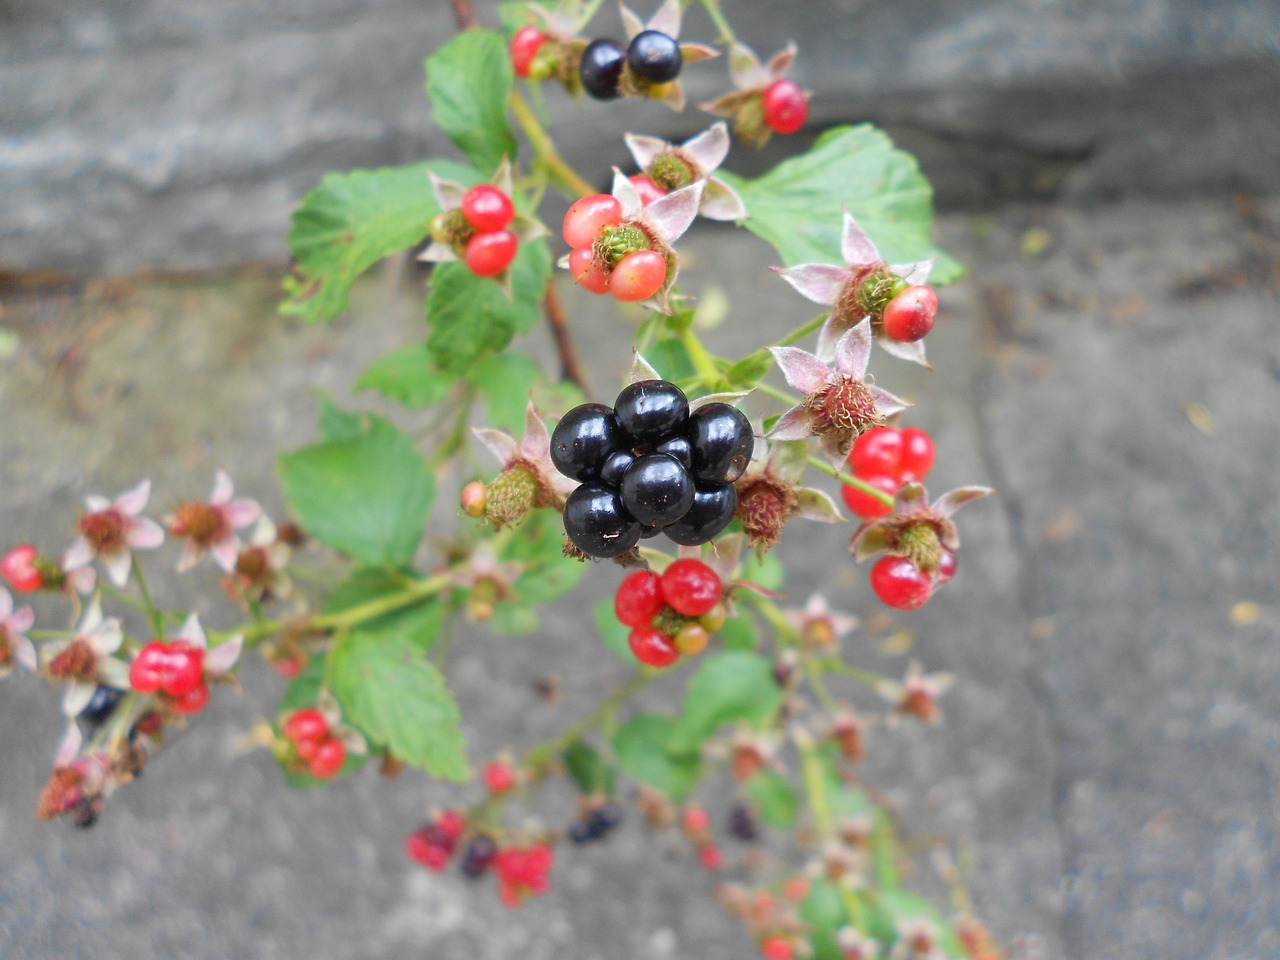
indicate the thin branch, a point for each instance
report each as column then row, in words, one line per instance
column 570, row 365
column 464, row 15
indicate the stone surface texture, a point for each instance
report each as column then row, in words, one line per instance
column 1106, row 770
column 144, row 133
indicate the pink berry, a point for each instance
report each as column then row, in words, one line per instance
column 638, row 276
column 328, row 759
column 639, row 598
column 696, row 820
column 645, row 186
column 150, row 667
column 786, row 106
column 499, row 777
column 422, row 847
column 917, row 454
column 19, row 567
column 524, row 47
column 586, row 272
column 691, row 587
column 863, row 504
column 590, row 215
column 908, row 317
column 185, row 665
column 946, row 568
column 652, row 647
column 899, row 584
column 488, row 254
column 487, row 208
column 306, row 725
column 879, row 450
column 711, row 857
column 777, row 948
column 191, row 701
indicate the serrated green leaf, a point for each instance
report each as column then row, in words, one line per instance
column 748, row 371
column 338, row 424
column 590, row 771
column 408, row 376
column 419, row 624
column 538, row 543
column 796, row 206
column 727, row 687
column 506, row 381
column 397, row 698
column 368, row 496
column 774, row 797
column 350, row 222
column 613, row 633
column 471, row 316
column 302, row 691
column 469, row 80
column 642, row 749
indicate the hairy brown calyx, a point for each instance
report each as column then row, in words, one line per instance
column 513, row 493
column 764, row 505
column 104, row 530
column 843, row 410
column 77, row 662
column 201, row 522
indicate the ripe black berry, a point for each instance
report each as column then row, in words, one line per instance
column 614, row 466
column 743, row 823
column 657, row 490
column 722, row 442
column 479, row 856
column 678, row 447
column 601, row 68
column 583, row 438
column 597, row 522
column 606, row 817
column 654, row 57
column 102, row 703
column 651, row 410
column 712, row 509
column 582, row 832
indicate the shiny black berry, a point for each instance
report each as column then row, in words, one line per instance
column 102, row 703
column 582, row 832
column 479, row 855
column 678, row 447
column 601, row 68
column 651, row 411
column 712, row 509
column 648, row 533
column 657, row 490
column 722, row 442
column 597, row 522
column 583, row 439
column 655, row 57
column 604, row 818
column 743, row 823
column 614, row 466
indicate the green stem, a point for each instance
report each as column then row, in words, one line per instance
column 816, row 792
column 713, row 11
column 548, row 156
column 127, row 599
column 49, row 634
column 851, row 480
column 702, row 361
column 540, row 754
column 836, row 665
column 152, row 611
column 771, row 391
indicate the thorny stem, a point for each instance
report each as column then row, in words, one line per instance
column 851, row 480
column 570, row 364
column 153, row 612
column 564, row 175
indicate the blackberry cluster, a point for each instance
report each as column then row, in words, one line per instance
column 479, row 856
column 649, row 466
column 596, row 825
column 652, row 57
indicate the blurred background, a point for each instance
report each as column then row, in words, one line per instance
column 1109, row 172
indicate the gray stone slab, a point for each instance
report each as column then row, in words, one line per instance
column 1107, row 762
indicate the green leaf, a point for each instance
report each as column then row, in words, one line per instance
column 738, row 633
column 748, row 371
column 368, row 496
column 670, row 358
column 767, row 571
column 539, row 544
column 736, row 685
column 471, row 316
column 513, row 14
column 824, row 912
column 393, row 694
column 590, row 771
column 774, row 798
column 796, row 206
column 901, row 906
column 338, row 424
column 506, row 380
column 642, row 748
column 300, row 692
column 350, row 222
column 419, row 623
column 613, row 633
column 469, row 80
column 408, row 376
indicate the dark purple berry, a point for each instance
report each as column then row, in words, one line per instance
column 478, row 856
column 102, row 703
column 601, row 68
column 678, row 447
column 582, row 832
column 711, row 511
column 583, row 439
column 614, row 466
column 722, row 443
column 654, row 57
column 648, row 533
column 657, row 490
column 743, row 823
column 651, row 411
column 597, row 522
column 604, row 818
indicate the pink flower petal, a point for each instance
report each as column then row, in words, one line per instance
column 218, row 660
column 644, row 149
column 853, row 350
column 856, row 247
column 910, row 498
column 624, row 191
column 916, row 272
column 24, row 652
column 721, row 202
column 953, row 500
column 819, row 282
column 82, row 580
column 448, row 193
column 795, row 424
column 96, row 504
column 671, row 215
column 143, row 533
column 6, row 605
column 353, row 740
column 724, row 555
column 225, row 552
column 192, row 632
column 118, row 565
column 666, row 19
column 134, row 500
column 815, row 505
column 781, row 61
column 222, row 489
column 241, row 513
column 192, row 553
column 69, row 748
column 745, row 69
column 20, row 620
column 803, row 370
column 79, row 554
column 709, row 148
column 886, row 403
column 498, row 443
column 905, row 351
column 536, row 442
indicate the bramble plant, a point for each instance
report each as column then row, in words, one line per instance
column 670, row 481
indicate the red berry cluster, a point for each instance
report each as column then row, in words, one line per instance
column 900, row 584
column 21, row 570
column 886, row 458
column 909, row 316
column 313, row 742
column 697, row 829
column 434, row 843
column 525, row 46
column 672, row 614
column 478, row 230
column 175, row 670
column 609, row 257
column 523, row 872
column 785, row 106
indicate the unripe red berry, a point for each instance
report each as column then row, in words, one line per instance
column 185, row 665
column 588, row 216
column 149, row 668
column 908, row 317
column 691, row 639
column 648, row 190
column 306, row 725
column 864, row 504
column 878, row 450
column 524, row 47
column 711, row 857
column 777, row 948
column 487, row 208
column 639, row 598
column 586, row 272
column 488, row 254
column 499, row 777
column 328, row 759
column 638, row 276
column 691, row 587
column 786, row 106
column 652, row 647
column 947, row 564
column 917, row 454
column 696, row 820
column 899, row 584
column 475, row 497
column 19, row 567
column 191, row 701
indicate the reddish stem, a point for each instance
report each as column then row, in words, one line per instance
column 464, row 15
column 570, row 365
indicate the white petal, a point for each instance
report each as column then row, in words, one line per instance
column 853, row 350
column 226, row 551
column 886, row 403
column 781, row 61
column 916, row 272
column 721, row 202
column 437, row 252
column 671, row 215
column 143, row 533
column 69, row 748
column 241, row 513
column 448, row 193
column 819, row 282
column 815, row 505
column 118, row 565
column 709, row 148
column 625, row 193
column 107, row 638
column 82, row 580
column 114, row 673
column 744, row 68
column 732, row 397
column 328, row 705
column 6, row 604
column 803, row 370
column 536, row 441
column 724, row 554
column 696, row 53
column 24, row 651
column 222, row 489
column 264, row 532
column 77, row 698
column 499, row 444
column 795, row 424
column 563, row 262
column 20, row 621
column 218, row 660
column 666, row 19
column 502, row 177
column 353, row 740
column 641, row 369
column 855, row 246
column 644, row 149
column 92, row 617
column 192, row 632
column 631, row 23
column 96, row 504
column 78, row 555
column 953, row 500
column 132, row 501
column 192, row 554
column 905, row 351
